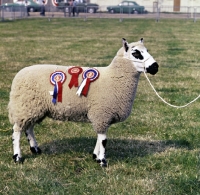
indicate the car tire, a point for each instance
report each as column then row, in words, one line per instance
column 112, row 11
column 135, row 12
column 8, row 9
column 90, row 10
column 31, row 9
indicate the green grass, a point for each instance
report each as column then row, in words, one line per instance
column 155, row 151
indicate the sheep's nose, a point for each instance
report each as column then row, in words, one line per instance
column 153, row 69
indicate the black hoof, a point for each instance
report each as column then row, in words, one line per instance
column 18, row 159
column 35, row 150
column 102, row 162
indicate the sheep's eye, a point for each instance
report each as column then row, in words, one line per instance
column 135, row 54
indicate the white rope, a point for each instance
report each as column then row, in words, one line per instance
column 164, row 100
column 174, row 106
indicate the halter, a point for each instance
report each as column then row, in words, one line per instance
column 174, row 106
column 139, row 61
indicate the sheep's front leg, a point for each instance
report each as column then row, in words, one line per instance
column 32, row 141
column 99, row 150
column 16, row 144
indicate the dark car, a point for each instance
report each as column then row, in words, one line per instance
column 130, row 7
column 80, row 7
column 20, row 6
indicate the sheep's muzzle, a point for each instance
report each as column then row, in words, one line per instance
column 153, row 69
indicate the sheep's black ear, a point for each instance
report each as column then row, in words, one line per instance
column 142, row 40
column 125, row 44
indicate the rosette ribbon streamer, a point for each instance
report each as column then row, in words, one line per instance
column 89, row 76
column 74, row 71
column 57, row 79
column 57, row 93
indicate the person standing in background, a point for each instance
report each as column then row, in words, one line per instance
column 74, row 7
column 26, row 6
column 42, row 13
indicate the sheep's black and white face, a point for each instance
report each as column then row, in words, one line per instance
column 138, row 54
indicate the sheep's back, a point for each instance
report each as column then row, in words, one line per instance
column 30, row 99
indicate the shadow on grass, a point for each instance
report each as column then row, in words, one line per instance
column 116, row 148
column 6, row 20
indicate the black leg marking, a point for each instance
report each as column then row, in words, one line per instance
column 98, row 161
column 35, row 150
column 104, row 142
column 94, row 156
column 21, row 160
column 15, row 157
column 104, row 163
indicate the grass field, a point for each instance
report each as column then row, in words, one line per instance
column 155, row 151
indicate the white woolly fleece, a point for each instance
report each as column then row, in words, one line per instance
column 109, row 100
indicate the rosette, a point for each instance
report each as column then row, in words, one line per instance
column 89, row 76
column 74, row 71
column 57, row 79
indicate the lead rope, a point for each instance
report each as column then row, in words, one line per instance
column 174, row 106
column 167, row 102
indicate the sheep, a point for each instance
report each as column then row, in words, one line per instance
column 108, row 101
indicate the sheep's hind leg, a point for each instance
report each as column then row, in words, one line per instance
column 32, row 141
column 17, row 157
column 99, row 151
column 96, row 151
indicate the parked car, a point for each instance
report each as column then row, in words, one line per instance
column 20, row 5
column 130, row 7
column 80, row 7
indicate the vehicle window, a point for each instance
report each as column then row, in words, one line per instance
column 124, row 3
column 19, row 2
column 132, row 4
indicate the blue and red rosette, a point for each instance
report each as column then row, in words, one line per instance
column 89, row 76
column 57, row 79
